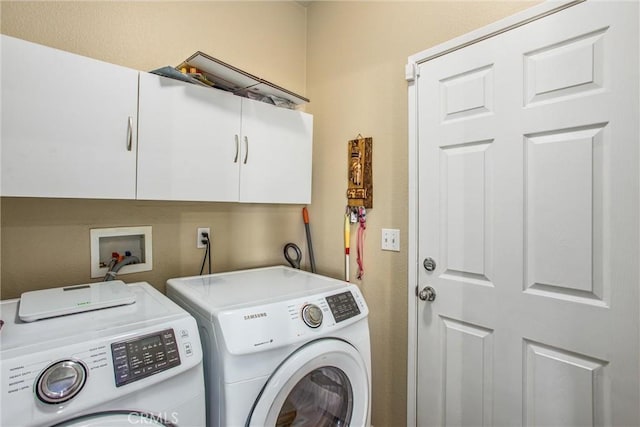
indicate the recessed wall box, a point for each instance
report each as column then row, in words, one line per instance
column 135, row 240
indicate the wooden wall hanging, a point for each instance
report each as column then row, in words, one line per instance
column 360, row 172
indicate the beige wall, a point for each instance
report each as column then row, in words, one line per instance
column 356, row 57
column 267, row 39
column 45, row 242
column 347, row 57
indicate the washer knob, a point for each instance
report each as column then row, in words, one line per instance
column 61, row 381
column 312, row 315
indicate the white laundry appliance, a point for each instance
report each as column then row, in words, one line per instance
column 282, row 347
column 134, row 364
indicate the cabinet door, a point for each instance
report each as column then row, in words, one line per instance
column 188, row 144
column 68, row 124
column 276, row 154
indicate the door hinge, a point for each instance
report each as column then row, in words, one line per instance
column 411, row 71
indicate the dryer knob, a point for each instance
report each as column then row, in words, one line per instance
column 61, row 381
column 312, row 315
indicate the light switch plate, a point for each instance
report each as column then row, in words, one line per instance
column 390, row 239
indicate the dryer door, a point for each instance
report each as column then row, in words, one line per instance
column 324, row 383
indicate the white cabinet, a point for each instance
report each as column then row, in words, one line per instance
column 195, row 143
column 68, row 124
column 188, row 141
column 276, row 154
column 76, row 127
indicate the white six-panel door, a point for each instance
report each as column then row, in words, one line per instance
column 528, row 203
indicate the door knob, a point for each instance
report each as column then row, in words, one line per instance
column 429, row 264
column 427, row 294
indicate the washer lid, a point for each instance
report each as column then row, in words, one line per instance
column 45, row 303
column 151, row 308
column 323, row 383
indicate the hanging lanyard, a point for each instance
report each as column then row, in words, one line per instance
column 362, row 220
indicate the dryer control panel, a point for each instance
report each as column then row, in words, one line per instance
column 343, row 306
column 258, row 328
column 143, row 356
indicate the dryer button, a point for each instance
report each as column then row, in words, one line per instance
column 188, row 350
column 312, row 315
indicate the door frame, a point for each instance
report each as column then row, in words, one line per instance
column 411, row 73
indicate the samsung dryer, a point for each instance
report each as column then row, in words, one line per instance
column 135, row 364
column 281, row 347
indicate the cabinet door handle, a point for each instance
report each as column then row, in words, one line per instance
column 130, row 134
column 246, row 149
column 235, row 159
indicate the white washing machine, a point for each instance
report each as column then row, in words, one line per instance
column 135, row 364
column 282, row 347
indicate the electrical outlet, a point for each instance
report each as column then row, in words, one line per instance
column 390, row 239
column 200, row 236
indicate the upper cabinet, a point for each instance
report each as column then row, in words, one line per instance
column 81, row 128
column 276, row 154
column 188, row 141
column 199, row 144
column 68, row 124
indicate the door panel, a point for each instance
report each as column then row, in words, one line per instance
column 465, row 193
column 529, row 203
column 468, row 373
column 467, row 94
column 575, row 396
column 569, row 68
column 562, row 169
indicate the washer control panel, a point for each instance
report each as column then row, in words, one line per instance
column 45, row 380
column 143, row 356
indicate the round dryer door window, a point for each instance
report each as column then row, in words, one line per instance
column 324, row 383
